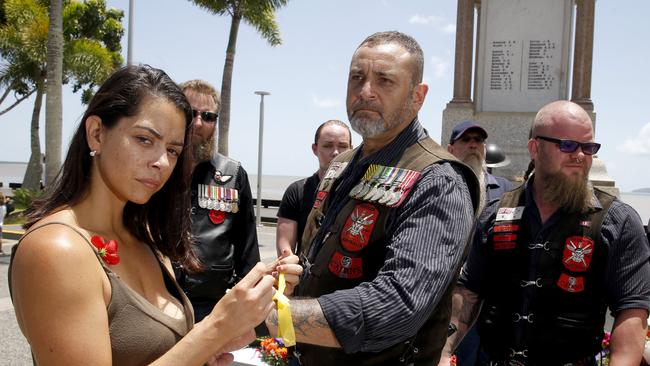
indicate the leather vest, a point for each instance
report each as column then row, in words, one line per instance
column 546, row 301
column 354, row 250
column 214, row 199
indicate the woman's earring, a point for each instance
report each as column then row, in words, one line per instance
column 93, row 153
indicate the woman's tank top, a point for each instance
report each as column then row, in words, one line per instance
column 139, row 331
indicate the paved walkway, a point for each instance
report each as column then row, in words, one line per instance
column 14, row 349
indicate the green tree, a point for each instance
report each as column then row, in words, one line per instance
column 261, row 15
column 91, row 51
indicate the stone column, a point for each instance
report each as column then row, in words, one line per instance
column 464, row 54
column 582, row 57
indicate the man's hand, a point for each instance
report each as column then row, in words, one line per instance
column 289, row 264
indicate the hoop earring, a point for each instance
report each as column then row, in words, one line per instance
column 93, row 153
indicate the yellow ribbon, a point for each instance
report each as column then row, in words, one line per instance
column 285, row 323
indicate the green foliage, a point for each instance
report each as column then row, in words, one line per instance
column 91, row 52
column 23, row 197
column 260, row 14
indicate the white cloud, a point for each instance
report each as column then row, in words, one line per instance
column 440, row 67
column 437, row 22
column 325, row 102
column 421, row 19
column 449, row 28
column 639, row 144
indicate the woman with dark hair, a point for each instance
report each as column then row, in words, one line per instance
column 91, row 279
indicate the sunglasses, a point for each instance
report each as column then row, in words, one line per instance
column 477, row 139
column 569, row 146
column 205, row 116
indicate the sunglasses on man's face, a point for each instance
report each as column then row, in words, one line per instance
column 205, row 116
column 569, row 146
column 477, row 139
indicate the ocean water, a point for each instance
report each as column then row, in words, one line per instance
column 273, row 187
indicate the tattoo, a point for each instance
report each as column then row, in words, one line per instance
column 307, row 315
column 273, row 317
column 465, row 309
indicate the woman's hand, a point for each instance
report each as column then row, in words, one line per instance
column 245, row 305
column 224, row 357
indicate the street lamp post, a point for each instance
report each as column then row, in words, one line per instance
column 129, row 53
column 258, row 219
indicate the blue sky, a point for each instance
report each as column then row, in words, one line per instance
column 307, row 75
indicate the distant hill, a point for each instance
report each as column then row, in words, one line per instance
column 641, row 190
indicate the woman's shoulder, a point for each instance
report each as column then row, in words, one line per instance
column 54, row 241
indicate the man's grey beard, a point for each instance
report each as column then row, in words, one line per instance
column 477, row 164
column 369, row 128
column 204, row 150
column 572, row 193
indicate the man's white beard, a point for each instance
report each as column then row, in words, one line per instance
column 477, row 164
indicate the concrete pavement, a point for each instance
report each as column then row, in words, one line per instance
column 14, row 349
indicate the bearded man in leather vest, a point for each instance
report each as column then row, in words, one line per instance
column 223, row 223
column 552, row 255
column 388, row 230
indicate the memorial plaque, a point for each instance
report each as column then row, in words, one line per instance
column 523, row 59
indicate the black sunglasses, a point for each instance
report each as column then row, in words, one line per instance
column 205, row 116
column 477, row 139
column 569, row 146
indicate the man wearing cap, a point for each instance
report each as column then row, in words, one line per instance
column 551, row 256
column 467, row 143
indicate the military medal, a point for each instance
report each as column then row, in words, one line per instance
column 404, row 187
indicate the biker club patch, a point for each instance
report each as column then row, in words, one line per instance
column 344, row 266
column 571, row 283
column 577, row 253
column 358, row 227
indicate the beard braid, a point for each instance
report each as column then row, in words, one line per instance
column 204, row 150
column 572, row 193
column 477, row 164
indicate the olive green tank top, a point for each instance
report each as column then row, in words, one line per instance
column 140, row 332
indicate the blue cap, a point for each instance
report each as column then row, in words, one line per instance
column 462, row 127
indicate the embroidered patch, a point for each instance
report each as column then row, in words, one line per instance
column 504, row 245
column 345, row 267
column 510, row 213
column 505, row 228
column 333, row 171
column 358, row 227
column 570, row 283
column 577, row 254
column 216, row 216
column 505, row 237
column 321, row 195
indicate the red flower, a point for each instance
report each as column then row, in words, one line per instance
column 106, row 250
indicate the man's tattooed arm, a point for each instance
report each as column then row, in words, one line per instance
column 309, row 323
column 464, row 311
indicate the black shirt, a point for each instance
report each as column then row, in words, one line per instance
column 298, row 200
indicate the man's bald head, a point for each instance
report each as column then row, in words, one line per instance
column 554, row 113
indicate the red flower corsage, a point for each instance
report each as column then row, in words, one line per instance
column 106, row 250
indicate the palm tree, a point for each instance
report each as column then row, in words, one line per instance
column 53, row 99
column 91, row 51
column 261, row 15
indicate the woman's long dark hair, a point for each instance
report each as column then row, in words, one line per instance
column 163, row 222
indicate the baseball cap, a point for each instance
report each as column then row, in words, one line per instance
column 462, row 127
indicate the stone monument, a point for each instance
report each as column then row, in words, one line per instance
column 523, row 53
